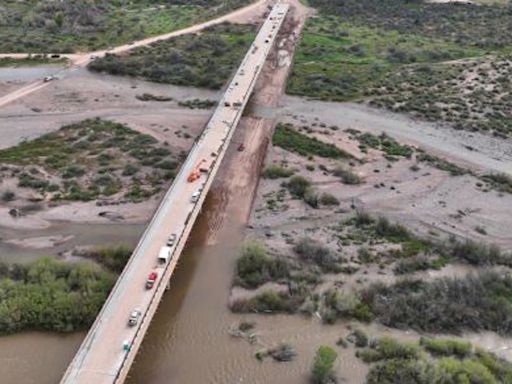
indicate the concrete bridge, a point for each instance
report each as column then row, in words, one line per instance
column 111, row 345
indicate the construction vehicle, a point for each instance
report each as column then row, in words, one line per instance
column 196, row 172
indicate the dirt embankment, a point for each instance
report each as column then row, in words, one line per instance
column 241, row 176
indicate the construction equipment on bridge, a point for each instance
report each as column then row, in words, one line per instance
column 196, row 172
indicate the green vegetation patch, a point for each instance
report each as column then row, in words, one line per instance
column 339, row 60
column 76, row 25
column 322, row 371
column 255, row 267
column 286, row 137
column 276, row 171
column 30, row 60
column 49, row 295
column 89, row 160
column 204, row 60
column 396, row 361
column 382, row 142
column 463, row 24
column 406, row 56
column 473, row 95
column 450, row 304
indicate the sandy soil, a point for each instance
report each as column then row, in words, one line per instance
column 470, row 149
column 426, row 200
column 109, row 98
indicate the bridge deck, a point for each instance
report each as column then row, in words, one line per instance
column 101, row 358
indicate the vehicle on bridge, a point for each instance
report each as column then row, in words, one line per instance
column 164, row 255
column 134, row 317
column 196, row 172
column 195, row 196
column 171, row 240
column 150, row 282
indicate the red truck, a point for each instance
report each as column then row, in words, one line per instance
column 150, row 282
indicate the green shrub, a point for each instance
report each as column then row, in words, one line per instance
column 446, row 347
column 344, row 304
column 298, row 186
column 396, row 371
column 130, row 170
column 49, row 295
column 392, row 232
column 8, row 196
column 286, row 137
column 73, row 171
column 450, row 370
column 311, row 198
column 269, row 302
column 114, row 258
column 328, row 199
column 312, row 251
column 448, row 304
column 255, row 267
column 322, row 371
column 347, row 176
column 275, row 171
column 499, row 181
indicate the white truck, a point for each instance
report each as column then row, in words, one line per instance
column 164, row 255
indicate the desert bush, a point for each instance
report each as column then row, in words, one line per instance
column 328, row 199
column 255, row 267
column 446, row 347
column 298, row 185
column 275, row 171
column 269, row 302
column 114, row 258
column 8, row 196
column 311, row 198
column 344, row 304
column 473, row 302
column 499, row 181
column 347, row 176
column 393, row 232
column 419, row 263
column 312, row 251
column 286, row 137
column 322, row 371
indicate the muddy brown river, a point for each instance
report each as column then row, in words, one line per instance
column 189, row 340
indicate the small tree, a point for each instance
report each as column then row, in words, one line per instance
column 323, row 366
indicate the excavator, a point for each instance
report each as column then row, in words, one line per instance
column 196, row 172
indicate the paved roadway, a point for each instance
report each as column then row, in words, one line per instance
column 82, row 59
column 101, row 358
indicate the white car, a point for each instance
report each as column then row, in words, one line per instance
column 134, row 317
column 171, row 240
column 48, row 78
column 195, row 196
